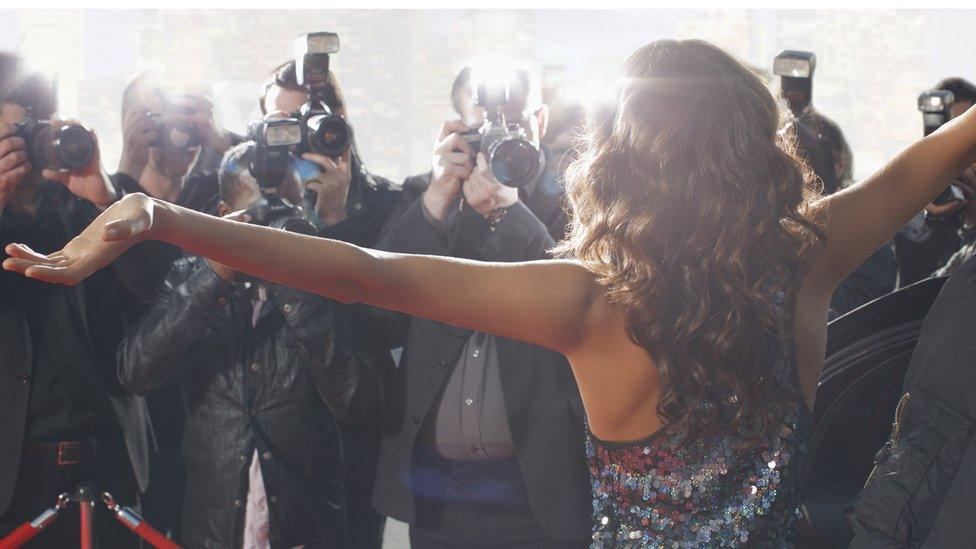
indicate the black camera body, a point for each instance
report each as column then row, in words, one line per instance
column 276, row 212
column 66, row 148
column 935, row 106
column 513, row 159
column 323, row 131
column 274, row 140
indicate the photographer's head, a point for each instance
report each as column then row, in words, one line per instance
column 239, row 189
column 24, row 92
column 524, row 102
column 165, row 127
column 962, row 90
column 281, row 92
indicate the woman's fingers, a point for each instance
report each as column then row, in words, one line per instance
column 17, row 265
column 20, row 251
column 52, row 273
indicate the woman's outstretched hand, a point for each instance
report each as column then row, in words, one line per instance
column 125, row 223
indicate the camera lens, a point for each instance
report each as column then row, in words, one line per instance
column 513, row 162
column 65, row 148
column 329, row 135
column 74, row 147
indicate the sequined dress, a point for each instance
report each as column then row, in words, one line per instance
column 656, row 493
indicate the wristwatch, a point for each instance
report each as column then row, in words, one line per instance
column 496, row 215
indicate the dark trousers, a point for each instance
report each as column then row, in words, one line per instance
column 454, row 525
column 479, row 504
column 162, row 502
column 40, row 481
column 361, row 448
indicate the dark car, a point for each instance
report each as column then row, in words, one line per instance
column 868, row 352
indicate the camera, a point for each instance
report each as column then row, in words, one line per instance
column 66, row 148
column 273, row 142
column 795, row 69
column 323, row 132
column 795, row 64
column 513, row 159
column 934, row 106
column 173, row 133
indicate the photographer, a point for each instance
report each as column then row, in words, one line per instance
column 485, row 438
column 65, row 421
column 350, row 203
column 165, row 135
column 929, row 241
column 820, row 139
column 345, row 202
column 822, row 144
column 267, row 371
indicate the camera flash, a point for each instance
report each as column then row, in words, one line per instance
column 321, row 42
column 794, row 64
column 283, row 134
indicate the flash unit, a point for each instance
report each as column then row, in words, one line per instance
column 937, row 101
column 934, row 105
column 321, row 42
column 282, row 132
column 312, row 52
column 795, row 64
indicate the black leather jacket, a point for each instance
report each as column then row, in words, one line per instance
column 276, row 387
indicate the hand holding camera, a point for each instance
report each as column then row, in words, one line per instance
column 197, row 112
column 64, row 150
column 14, row 163
column 63, row 159
column 484, row 193
column 139, row 133
column 452, row 163
column 331, row 186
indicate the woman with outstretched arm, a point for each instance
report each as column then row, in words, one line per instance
column 692, row 306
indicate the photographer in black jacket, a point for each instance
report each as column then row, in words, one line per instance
column 485, row 438
column 64, row 419
column 165, row 135
column 266, row 374
column 346, row 202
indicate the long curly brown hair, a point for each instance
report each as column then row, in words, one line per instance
column 689, row 207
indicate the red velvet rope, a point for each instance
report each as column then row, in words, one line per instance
column 24, row 533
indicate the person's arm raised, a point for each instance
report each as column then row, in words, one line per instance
column 545, row 303
column 861, row 218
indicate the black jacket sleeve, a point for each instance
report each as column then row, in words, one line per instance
column 519, row 236
column 370, row 203
column 154, row 351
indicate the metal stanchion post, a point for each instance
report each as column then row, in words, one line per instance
column 86, row 508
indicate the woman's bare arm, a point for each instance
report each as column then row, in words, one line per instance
column 544, row 302
column 861, row 218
